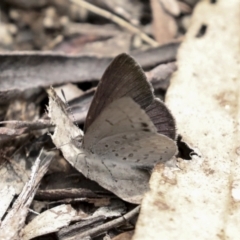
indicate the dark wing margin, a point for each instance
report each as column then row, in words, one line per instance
column 123, row 78
column 162, row 118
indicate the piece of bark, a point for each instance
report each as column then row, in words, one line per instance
column 46, row 69
column 202, row 200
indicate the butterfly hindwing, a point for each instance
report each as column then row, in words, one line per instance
column 135, row 148
column 124, row 132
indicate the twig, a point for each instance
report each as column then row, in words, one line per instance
column 117, row 20
column 58, row 194
column 106, row 226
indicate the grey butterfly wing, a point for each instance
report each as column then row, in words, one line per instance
column 122, row 179
column 124, row 166
column 123, row 78
column 119, row 145
column 136, row 148
column 124, row 128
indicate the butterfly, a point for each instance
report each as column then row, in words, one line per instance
column 126, row 133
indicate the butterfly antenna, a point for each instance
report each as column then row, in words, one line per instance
column 69, row 108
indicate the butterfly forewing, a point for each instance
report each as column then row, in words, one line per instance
column 123, row 78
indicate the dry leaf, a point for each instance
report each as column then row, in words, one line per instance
column 164, row 24
column 49, row 221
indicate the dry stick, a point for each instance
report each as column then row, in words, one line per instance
column 69, row 108
column 15, row 219
column 57, row 194
column 36, row 125
column 106, row 226
column 117, row 20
